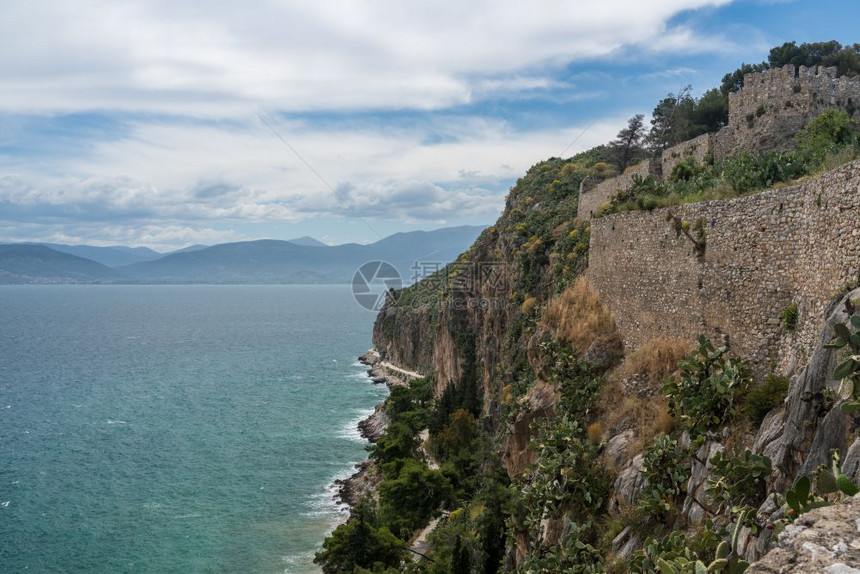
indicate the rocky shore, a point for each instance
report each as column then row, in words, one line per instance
column 367, row 477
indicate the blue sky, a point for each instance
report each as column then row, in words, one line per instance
column 159, row 123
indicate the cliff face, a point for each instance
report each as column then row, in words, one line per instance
column 493, row 317
column 474, row 317
column 824, row 540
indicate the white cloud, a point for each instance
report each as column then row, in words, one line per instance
column 209, row 59
column 159, row 237
column 152, row 176
column 164, row 176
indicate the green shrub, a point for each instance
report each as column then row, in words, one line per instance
column 789, row 317
column 824, row 134
column 702, row 395
column 737, row 482
column 685, row 170
column 410, row 405
column 567, row 478
column 848, row 370
column 748, row 172
column 572, row 555
column 578, row 384
column 666, row 469
column 765, row 397
column 360, row 542
column 397, row 443
column 410, row 499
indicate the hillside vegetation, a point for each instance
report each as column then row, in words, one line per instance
column 559, row 452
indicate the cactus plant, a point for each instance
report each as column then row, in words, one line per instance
column 848, row 370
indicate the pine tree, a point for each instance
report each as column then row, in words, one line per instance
column 626, row 148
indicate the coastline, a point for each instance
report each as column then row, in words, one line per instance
column 365, row 480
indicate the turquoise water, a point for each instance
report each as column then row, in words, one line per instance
column 176, row 428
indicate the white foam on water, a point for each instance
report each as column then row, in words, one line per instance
column 5, row 504
column 326, row 503
column 349, row 431
column 298, row 563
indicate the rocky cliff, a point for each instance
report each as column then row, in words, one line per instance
column 495, row 316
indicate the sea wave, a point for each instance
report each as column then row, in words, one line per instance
column 300, row 563
column 350, row 431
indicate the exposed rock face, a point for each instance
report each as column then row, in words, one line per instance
column 799, row 438
column 851, row 466
column 822, row 540
column 618, row 448
column 443, row 333
column 539, row 402
column 373, row 427
column 624, row 544
column 629, row 483
column 363, row 483
column 693, row 507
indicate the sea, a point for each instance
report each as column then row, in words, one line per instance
column 187, row 429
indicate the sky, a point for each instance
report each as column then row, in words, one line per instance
column 167, row 123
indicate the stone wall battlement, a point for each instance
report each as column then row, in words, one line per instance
column 795, row 245
column 764, row 116
column 791, row 91
column 774, row 105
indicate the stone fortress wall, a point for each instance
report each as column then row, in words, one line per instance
column 763, row 253
column 795, row 245
column 593, row 195
column 764, row 115
column 697, row 148
column 773, row 105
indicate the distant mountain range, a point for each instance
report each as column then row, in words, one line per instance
column 22, row 263
column 304, row 260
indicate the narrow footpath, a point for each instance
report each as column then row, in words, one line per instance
column 421, row 545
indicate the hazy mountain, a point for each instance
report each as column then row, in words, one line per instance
column 274, row 261
column 195, row 247
column 302, row 260
column 112, row 256
column 307, row 241
column 40, row 264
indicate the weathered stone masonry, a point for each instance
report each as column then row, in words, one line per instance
column 773, row 105
column 764, row 252
column 592, row 197
column 764, row 116
column 696, row 149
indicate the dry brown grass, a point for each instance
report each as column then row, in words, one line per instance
column 595, row 433
column 656, row 359
column 578, row 317
column 647, row 417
